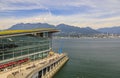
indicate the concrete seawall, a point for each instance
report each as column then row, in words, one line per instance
column 41, row 68
column 56, row 69
column 50, row 69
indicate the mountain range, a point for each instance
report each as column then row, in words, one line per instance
column 111, row 30
column 66, row 29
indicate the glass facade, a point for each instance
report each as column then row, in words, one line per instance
column 19, row 47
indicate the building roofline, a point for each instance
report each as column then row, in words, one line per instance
column 6, row 33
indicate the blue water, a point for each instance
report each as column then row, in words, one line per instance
column 90, row 58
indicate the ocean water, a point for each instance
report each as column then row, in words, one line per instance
column 90, row 58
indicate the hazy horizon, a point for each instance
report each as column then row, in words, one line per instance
column 81, row 13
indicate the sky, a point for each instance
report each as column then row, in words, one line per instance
column 81, row 13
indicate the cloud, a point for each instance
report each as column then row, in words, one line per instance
column 62, row 7
column 94, row 13
column 79, row 20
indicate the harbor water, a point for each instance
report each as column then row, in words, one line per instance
column 90, row 58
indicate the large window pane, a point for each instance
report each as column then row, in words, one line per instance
column 8, row 56
column 24, row 52
column 8, row 52
column 31, row 50
column 17, row 54
column 1, row 57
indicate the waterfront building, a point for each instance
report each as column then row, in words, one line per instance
column 24, row 49
column 20, row 46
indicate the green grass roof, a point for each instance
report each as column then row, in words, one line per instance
column 11, row 32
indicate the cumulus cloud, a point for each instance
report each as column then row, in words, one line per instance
column 94, row 13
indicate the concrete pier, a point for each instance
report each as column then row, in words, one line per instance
column 49, row 70
column 43, row 68
column 57, row 67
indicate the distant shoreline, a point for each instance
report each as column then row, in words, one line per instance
column 57, row 37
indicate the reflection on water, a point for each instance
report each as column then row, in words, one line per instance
column 90, row 58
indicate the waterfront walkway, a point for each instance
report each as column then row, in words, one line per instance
column 52, row 72
column 23, row 71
